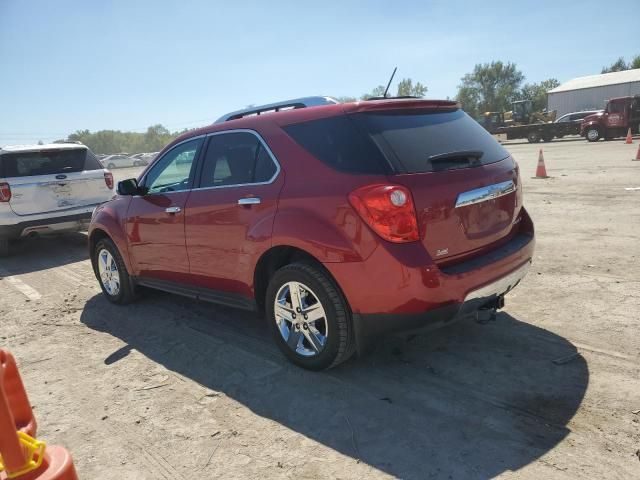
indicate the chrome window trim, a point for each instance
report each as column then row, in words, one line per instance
column 159, row 159
column 206, row 135
column 483, row 194
column 266, row 147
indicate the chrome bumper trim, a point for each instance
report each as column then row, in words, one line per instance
column 498, row 287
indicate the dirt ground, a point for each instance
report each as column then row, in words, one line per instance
column 171, row 389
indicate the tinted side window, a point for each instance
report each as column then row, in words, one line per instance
column 339, row 143
column 91, row 162
column 265, row 168
column 615, row 107
column 236, row 159
column 173, row 171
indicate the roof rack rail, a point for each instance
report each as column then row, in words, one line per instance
column 276, row 107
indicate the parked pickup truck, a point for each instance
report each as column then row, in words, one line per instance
column 619, row 115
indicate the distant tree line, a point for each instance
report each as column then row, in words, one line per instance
column 620, row 65
column 116, row 141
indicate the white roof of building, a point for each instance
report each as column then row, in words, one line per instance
column 35, row 148
column 603, row 79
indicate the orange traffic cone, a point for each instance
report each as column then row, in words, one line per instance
column 637, row 159
column 21, row 455
column 541, row 171
column 629, row 136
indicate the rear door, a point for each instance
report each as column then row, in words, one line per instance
column 54, row 180
column 155, row 221
column 464, row 183
column 229, row 218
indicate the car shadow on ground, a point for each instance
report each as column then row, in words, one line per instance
column 43, row 253
column 466, row 401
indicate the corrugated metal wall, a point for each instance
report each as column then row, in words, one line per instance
column 589, row 98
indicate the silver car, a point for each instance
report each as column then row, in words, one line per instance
column 49, row 189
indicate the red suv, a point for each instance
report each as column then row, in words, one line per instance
column 338, row 221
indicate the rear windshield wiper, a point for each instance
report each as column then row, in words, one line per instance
column 477, row 154
column 453, row 160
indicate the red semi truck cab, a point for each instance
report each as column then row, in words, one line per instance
column 619, row 115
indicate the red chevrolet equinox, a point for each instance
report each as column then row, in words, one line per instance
column 339, row 221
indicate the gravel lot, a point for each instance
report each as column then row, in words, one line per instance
column 170, row 389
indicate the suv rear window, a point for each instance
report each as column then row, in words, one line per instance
column 338, row 142
column 431, row 141
column 51, row 162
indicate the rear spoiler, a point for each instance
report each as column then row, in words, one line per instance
column 400, row 104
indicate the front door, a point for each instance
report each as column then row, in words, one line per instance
column 229, row 219
column 155, row 220
column 615, row 114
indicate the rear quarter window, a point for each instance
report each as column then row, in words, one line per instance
column 52, row 162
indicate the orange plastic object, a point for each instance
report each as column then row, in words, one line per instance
column 21, row 456
column 11, row 384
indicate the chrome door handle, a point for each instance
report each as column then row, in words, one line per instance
column 173, row 210
column 249, row 201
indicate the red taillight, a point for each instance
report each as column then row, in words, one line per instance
column 388, row 210
column 5, row 192
column 108, row 179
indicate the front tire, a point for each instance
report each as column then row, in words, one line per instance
column 309, row 317
column 593, row 134
column 115, row 282
column 533, row 137
column 111, row 166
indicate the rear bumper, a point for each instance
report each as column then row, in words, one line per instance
column 372, row 325
column 46, row 226
column 402, row 288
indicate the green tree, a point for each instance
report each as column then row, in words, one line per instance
column 617, row 66
column 635, row 62
column 376, row 92
column 537, row 93
column 490, row 87
column 406, row 88
column 346, row 99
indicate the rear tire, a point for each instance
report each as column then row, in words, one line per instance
column 115, row 282
column 332, row 331
column 593, row 134
column 533, row 137
column 111, row 166
column 4, row 247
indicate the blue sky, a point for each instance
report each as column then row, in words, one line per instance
column 74, row 64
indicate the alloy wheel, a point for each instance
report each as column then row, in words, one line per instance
column 109, row 274
column 301, row 319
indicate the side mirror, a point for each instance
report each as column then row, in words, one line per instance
column 128, row 187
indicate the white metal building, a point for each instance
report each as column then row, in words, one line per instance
column 593, row 91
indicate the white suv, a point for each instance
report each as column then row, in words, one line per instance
column 49, row 189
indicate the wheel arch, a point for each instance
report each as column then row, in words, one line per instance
column 277, row 257
column 99, row 233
